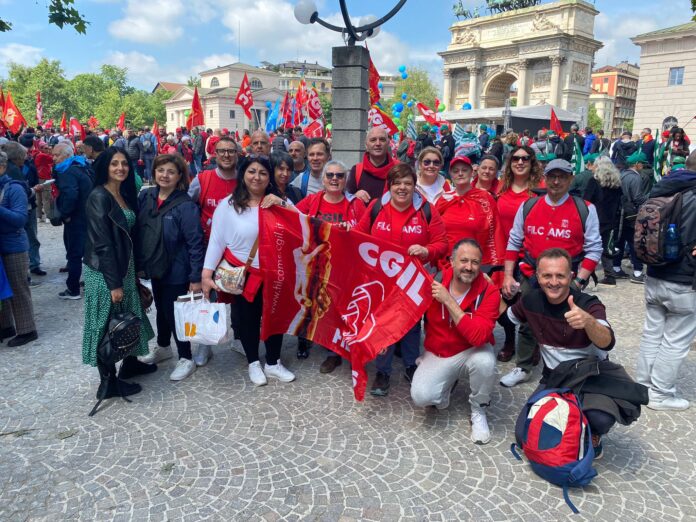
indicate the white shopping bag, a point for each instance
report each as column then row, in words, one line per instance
column 200, row 321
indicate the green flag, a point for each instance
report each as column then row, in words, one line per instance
column 577, row 160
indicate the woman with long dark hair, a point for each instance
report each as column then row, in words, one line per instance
column 109, row 269
column 233, row 236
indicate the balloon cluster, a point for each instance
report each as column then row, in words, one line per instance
column 402, row 70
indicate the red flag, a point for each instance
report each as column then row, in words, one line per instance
column 195, row 117
column 373, row 83
column 244, row 97
column 155, row 133
column 378, row 118
column 555, row 124
column 314, row 105
column 298, row 112
column 39, row 109
column 121, row 124
column 93, row 122
column 352, row 293
column 286, row 110
column 12, row 116
column 2, row 103
column 431, row 116
column 49, row 124
column 76, row 127
column 314, row 129
column 302, row 94
column 63, row 124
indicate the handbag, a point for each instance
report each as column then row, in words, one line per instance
column 121, row 337
column 231, row 279
column 146, row 297
column 54, row 216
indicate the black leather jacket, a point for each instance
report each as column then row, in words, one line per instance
column 109, row 245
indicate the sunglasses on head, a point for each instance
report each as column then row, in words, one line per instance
column 524, row 159
column 428, row 162
column 337, row 175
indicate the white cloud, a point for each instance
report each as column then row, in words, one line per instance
column 213, row 61
column 19, row 53
column 143, row 70
column 154, row 21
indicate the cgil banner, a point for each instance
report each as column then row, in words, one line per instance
column 346, row 291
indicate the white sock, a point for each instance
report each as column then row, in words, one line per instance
column 637, row 273
column 617, row 269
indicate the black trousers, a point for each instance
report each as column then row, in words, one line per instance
column 164, row 297
column 248, row 317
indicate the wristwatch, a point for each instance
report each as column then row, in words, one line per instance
column 283, row 203
column 580, row 283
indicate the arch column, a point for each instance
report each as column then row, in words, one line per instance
column 447, row 87
column 556, row 62
column 474, row 86
column 522, row 91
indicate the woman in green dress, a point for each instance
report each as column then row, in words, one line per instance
column 109, row 270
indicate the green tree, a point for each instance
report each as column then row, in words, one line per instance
column 326, row 106
column 417, row 86
column 60, row 13
column 193, row 81
column 593, row 119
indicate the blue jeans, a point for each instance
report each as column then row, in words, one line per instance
column 148, row 167
column 74, row 236
column 197, row 163
column 31, row 229
column 410, row 350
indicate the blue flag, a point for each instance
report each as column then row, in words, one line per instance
column 272, row 120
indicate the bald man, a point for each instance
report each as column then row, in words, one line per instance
column 368, row 179
column 299, row 158
column 260, row 143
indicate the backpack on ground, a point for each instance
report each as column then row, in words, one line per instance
column 555, row 436
column 652, row 222
column 153, row 259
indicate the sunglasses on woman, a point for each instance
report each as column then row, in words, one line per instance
column 523, row 159
column 427, row 163
column 337, row 175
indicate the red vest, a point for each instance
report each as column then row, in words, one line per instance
column 213, row 189
column 553, row 227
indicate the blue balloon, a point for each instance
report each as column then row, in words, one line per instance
column 410, row 103
column 404, row 76
column 402, row 68
column 397, row 114
column 404, row 96
column 268, row 104
column 399, row 106
column 466, row 106
column 379, row 85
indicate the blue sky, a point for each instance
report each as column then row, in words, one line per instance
column 171, row 40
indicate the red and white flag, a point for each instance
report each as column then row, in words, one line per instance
column 39, row 109
column 12, row 116
column 352, row 293
column 378, row 118
column 314, row 109
column 76, row 128
column 314, row 129
column 244, row 97
column 432, row 117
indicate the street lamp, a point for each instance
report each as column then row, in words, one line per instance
column 306, row 13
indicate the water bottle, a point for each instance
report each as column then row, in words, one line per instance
column 672, row 243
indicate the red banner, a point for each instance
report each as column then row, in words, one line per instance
column 12, row 116
column 555, row 124
column 195, row 117
column 244, row 97
column 76, row 128
column 431, row 116
column 121, row 123
column 314, row 130
column 378, row 118
column 314, row 105
column 347, row 291
column 373, row 83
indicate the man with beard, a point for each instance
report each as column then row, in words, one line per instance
column 368, row 179
column 298, row 153
column 459, row 338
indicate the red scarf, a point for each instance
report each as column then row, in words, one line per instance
column 377, row 172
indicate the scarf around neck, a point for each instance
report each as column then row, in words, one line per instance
column 377, row 172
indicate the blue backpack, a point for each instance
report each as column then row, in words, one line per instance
column 555, row 436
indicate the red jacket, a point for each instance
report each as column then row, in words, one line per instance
column 415, row 229
column 310, row 207
column 444, row 338
column 44, row 165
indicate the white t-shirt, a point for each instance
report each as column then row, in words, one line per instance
column 314, row 185
column 433, row 192
column 234, row 231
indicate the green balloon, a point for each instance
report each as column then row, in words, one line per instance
column 397, row 120
column 329, row 126
column 441, row 108
column 186, row 113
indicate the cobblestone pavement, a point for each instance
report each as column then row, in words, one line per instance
column 214, row 447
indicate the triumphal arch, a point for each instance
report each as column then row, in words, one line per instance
column 547, row 50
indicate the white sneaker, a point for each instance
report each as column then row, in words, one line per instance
column 256, row 374
column 280, row 372
column 203, row 354
column 47, row 221
column 669, row 404
column 183, row 369
column 480, row 433
column 236, row 346
column 157, row 354
column 515, row 377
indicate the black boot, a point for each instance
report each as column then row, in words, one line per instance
column 303, row 346
column 6, row 333
column 110, row 386
column 132, row 367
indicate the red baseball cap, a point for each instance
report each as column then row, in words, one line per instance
column 460, row 159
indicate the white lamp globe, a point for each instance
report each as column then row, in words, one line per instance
column 304, row 10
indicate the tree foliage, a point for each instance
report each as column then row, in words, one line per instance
column 593, row 119
column 60, row 13
column 326, row 106
column 417, row 86
column 105, row 94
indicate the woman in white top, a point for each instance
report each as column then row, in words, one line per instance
column 234, row 230
column 431, row 184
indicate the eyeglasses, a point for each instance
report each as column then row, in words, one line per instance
column 223, row 152
column 523, row 159
column 337, row 175
column 427, row 163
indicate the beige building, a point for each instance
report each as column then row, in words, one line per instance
column 667, row 82
column 621, row 83
column 292, row 72
column 604, row 104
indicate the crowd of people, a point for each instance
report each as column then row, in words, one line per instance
column 512, row 232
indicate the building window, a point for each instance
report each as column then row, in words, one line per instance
column 214, row 82
column 211, row 113
column 232, row 115
column 676, row 75
column 171, row 117
column 256, row 83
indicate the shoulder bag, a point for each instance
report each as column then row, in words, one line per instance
column 231, row 279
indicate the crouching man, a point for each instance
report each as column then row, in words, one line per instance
column 575, row 339
column 459, row 338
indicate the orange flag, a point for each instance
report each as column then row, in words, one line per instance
column 195, row 117
column 63, row 123
column 12, row 115
column 121, row 124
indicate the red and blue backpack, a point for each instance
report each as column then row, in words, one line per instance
column 555, row 436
